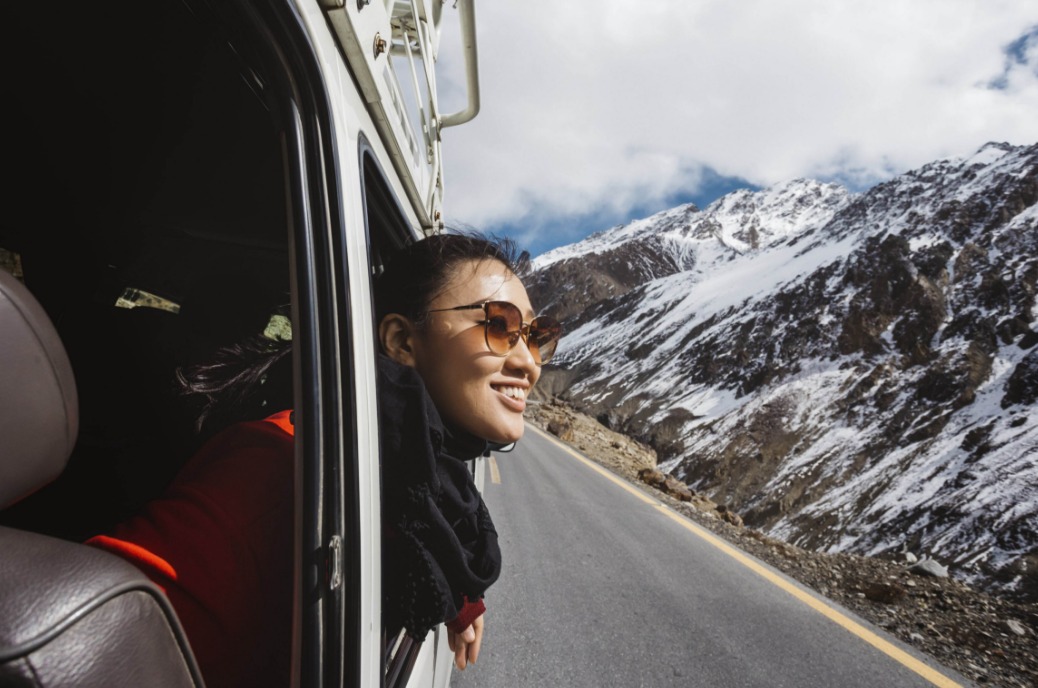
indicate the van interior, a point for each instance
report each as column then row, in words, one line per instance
column 144, row 207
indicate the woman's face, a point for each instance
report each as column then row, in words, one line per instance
column 474, row 389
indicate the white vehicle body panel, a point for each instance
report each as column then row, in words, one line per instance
column 366, row 103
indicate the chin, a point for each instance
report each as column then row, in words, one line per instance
column 507, row 436
column 512, row 437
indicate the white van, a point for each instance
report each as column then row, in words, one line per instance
column 177, row 170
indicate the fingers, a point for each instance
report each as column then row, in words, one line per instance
column 451, row 639
column 465, row 645
column 477, row 642
column 460, row 652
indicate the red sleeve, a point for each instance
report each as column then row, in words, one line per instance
column 219, row 542
column 470, row 611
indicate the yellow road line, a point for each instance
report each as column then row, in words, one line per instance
column 495, row 475
column 884, row 646
column 607, row 474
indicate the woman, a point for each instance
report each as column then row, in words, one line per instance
column 460, row 352
column 454, row 319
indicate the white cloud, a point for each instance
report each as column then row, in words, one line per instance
column 592, row 105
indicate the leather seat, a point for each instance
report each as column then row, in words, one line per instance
column 70, row 615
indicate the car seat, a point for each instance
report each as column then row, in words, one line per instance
column 70, row 615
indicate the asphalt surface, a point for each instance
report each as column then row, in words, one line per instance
column 601, row 587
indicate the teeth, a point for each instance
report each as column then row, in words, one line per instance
column 514, row 392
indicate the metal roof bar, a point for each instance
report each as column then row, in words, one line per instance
column 467, row 16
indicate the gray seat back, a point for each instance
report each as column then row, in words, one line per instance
column 38, row 409
column 70, row 615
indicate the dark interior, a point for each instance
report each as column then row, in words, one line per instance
column 142, row 156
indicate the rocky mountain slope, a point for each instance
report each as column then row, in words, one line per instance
column 850, row 373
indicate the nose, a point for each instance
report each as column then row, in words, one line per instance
column 521, row 359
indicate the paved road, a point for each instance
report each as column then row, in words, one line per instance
column 602, row 586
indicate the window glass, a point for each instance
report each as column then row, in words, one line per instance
column 387, row 230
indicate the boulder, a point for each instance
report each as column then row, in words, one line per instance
column 561, row 429
column 677, row 489
column 1015, row 627
column 929, row 567
column 729, row 516
column 664, row 482
column 886, row 593
column 652, row 477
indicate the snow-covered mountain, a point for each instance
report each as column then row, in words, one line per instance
column 848, row 372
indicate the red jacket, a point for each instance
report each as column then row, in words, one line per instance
column 219, row 543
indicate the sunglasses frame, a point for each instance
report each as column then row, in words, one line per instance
column 524, row 327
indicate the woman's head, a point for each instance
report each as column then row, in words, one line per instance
column 416, row 273
column 477, row 382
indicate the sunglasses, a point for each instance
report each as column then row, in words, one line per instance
column 504, row 326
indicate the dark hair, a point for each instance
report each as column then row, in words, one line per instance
column 416, row 274
column 246, row 380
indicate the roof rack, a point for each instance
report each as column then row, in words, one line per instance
column 392, row 46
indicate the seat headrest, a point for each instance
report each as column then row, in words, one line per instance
column 39, row 412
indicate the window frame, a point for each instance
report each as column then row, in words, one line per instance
column 328, row 580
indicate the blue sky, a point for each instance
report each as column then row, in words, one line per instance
column 538, row 235
column 595, row 112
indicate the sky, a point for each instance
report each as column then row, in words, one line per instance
column 596, row 112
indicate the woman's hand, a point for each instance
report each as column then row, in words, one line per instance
column 465, row 645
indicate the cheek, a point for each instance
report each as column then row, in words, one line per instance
column 455, row 380
column 469, row 390
column 457, row 371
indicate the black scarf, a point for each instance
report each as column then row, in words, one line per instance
column 439, row 545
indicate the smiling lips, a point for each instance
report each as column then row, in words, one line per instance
column 514, row 394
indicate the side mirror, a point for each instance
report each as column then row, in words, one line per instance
column 503, row 448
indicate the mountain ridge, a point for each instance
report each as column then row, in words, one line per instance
column 851, row 372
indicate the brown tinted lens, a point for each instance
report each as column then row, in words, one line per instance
column 503, row 323
column 544, row 337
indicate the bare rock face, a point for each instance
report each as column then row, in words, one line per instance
column 1022, row 385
